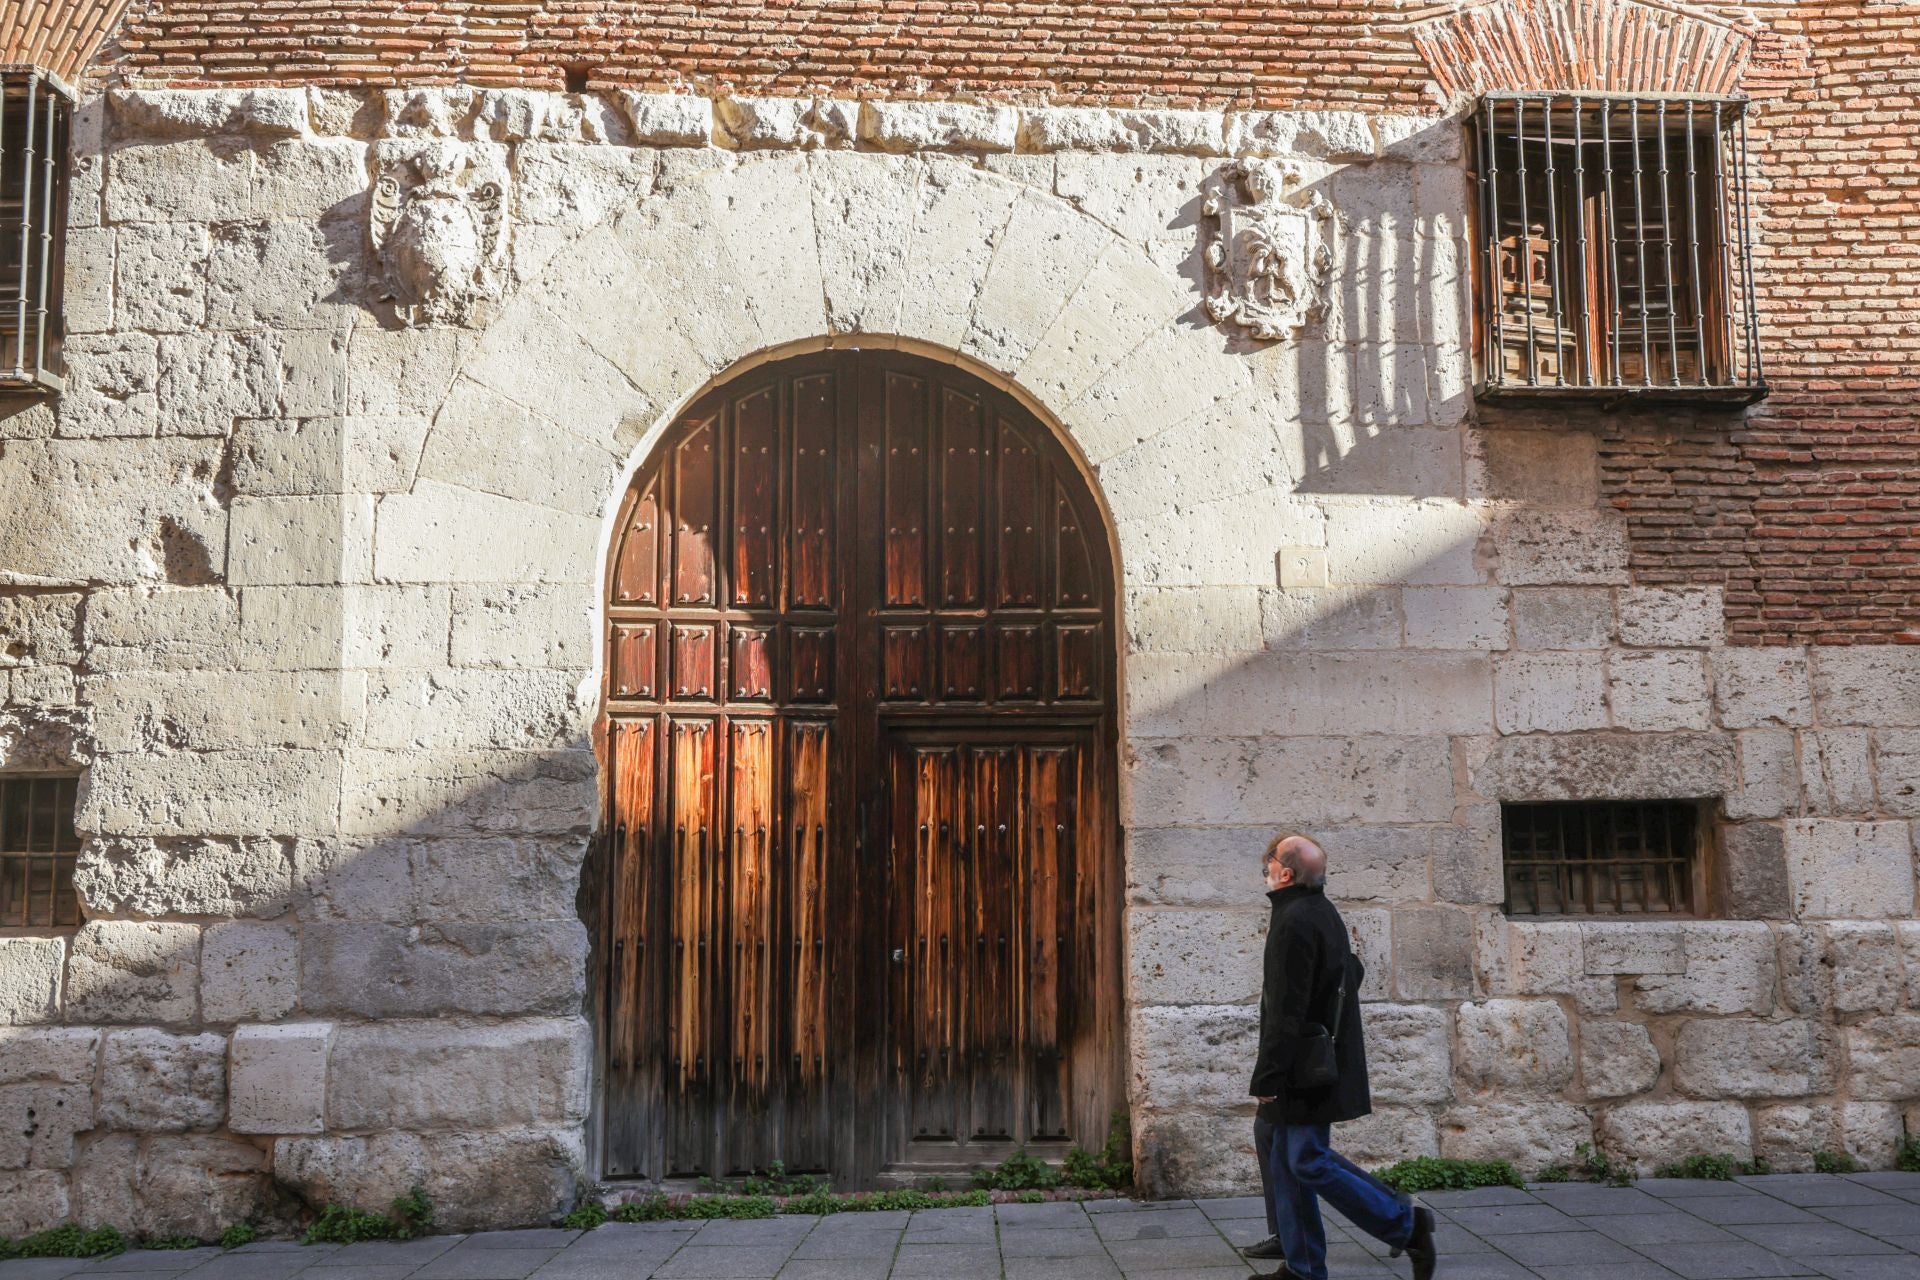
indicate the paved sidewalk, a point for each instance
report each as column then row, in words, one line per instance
column 1863, row 1227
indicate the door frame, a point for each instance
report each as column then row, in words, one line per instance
column 1107, row 1032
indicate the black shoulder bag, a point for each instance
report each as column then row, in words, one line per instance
column 1314, row 1064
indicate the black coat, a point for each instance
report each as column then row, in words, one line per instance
column 1307, row 950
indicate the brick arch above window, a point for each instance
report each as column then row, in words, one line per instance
column 1590, row 46
column 60, row 36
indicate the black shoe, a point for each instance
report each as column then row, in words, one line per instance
column 1268, row 1248
column 1420, row 1245
column 1284, row 1273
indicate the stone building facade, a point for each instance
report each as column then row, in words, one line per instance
column 303, row 574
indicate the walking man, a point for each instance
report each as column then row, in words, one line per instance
column 1311, row 983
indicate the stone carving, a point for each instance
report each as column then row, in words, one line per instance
column 438, row 223
column 1268, row 260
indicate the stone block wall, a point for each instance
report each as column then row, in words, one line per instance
column 302, row 571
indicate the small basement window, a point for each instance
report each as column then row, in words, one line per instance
column 1614, row 249
column 37, row 851
column 35, row 112
column 1637, row 857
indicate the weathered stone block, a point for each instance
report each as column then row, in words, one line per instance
column 1885, row 1057
column 1876, row 686
column 30, row 970
column 442, row 533
column 1541, row 468
column 1755, row 855
column 278, row 457
column 185, row 876
column 432, row 1076
column 38, row 1122
column 1756, row 687
column 258, row 792
column 1515, row 1044
column 160, row 276
column 1432, row 953
column 323, row 539
column 1850, row 869
column 472, row 708
column 1909, row 934
column 1399, row 542
column 1194, row 619
column 1327, row 781
column 196, row 113
column 487, row 443
column 1602, row 766
column 383, row 971
column 1041, row 259
column 360, row 1172
column 1561, row 548
column 1371, row 933
column 208, row 711
column 1563, row 617
column 248, row 971
column 937, row 127
column 1769, row 775
column 111, row 382
column 1327, row 135
column 128, row 971
column 162, row 629
column 523, row 626
column 1549, row 692
column 33, row 1200
column 1836, row 772
column 1204, row 1153
column 1658, row 690
column 516, row 1177
column 1865, row 963
column 279, row 1078
column 1455, row 617
column 464, row 793
column 151, row 512
column 1410, row 694
column 1331, row 618
column 207, row 380
column 1731, row 968
column 1409, row 1053
column 1617, row 1059
column 1387, row 1135
column 1633, row 947
column 1672, row 617
column 863, row 208
column 1532, row 1135
column 1199, row 1055
column 573, row 186
column 158, row 1083
column 1196, row 957
column 752, row 123
column 1197, row 133
column 49, row 1055
column 198, row 1186
column 1740, row 1058
column 1645, row 1135
column 668, row 119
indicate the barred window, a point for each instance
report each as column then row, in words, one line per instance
column 34, row 123
column 1615, row 249
column 1602, row 858
column 37, row 849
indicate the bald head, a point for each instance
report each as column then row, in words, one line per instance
column 1301, row 855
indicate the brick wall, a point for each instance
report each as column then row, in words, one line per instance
column 1808, row 512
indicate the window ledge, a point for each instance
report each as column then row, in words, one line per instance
column 1610, row 397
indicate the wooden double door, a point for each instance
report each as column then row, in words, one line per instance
column 861, row 899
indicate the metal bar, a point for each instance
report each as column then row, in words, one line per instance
column 1721, row 242
column 1666, row 246
column 1746, row 259
column 1640, row 252
column 1524, row 241
column 1497, row 334
column 26, row 203
column 1553, row 251
column 1695, row 264
column 50, row 159
column 1613, row 240
column 1490, row 231
column 1583, row 344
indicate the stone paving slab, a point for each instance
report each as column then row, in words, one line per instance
column 1783, row 1227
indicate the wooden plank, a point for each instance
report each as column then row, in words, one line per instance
column 753, row 511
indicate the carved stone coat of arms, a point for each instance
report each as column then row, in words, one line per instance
column 438, row 224
column 1269, row 262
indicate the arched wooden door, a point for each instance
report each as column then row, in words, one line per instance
column 863, row 896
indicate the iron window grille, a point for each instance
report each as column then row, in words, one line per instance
column 37, row 850
column 1601, row 858
column 1614, row 249
column 35, row 122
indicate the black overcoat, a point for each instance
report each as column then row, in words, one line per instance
column 1307, row 949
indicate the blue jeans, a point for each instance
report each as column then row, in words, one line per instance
column 1299, row 1169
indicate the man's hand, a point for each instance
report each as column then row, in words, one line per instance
column 1269, row 1098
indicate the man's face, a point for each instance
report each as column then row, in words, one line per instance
column 1279, row 876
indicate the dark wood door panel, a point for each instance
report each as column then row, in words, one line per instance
column 858, row 702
